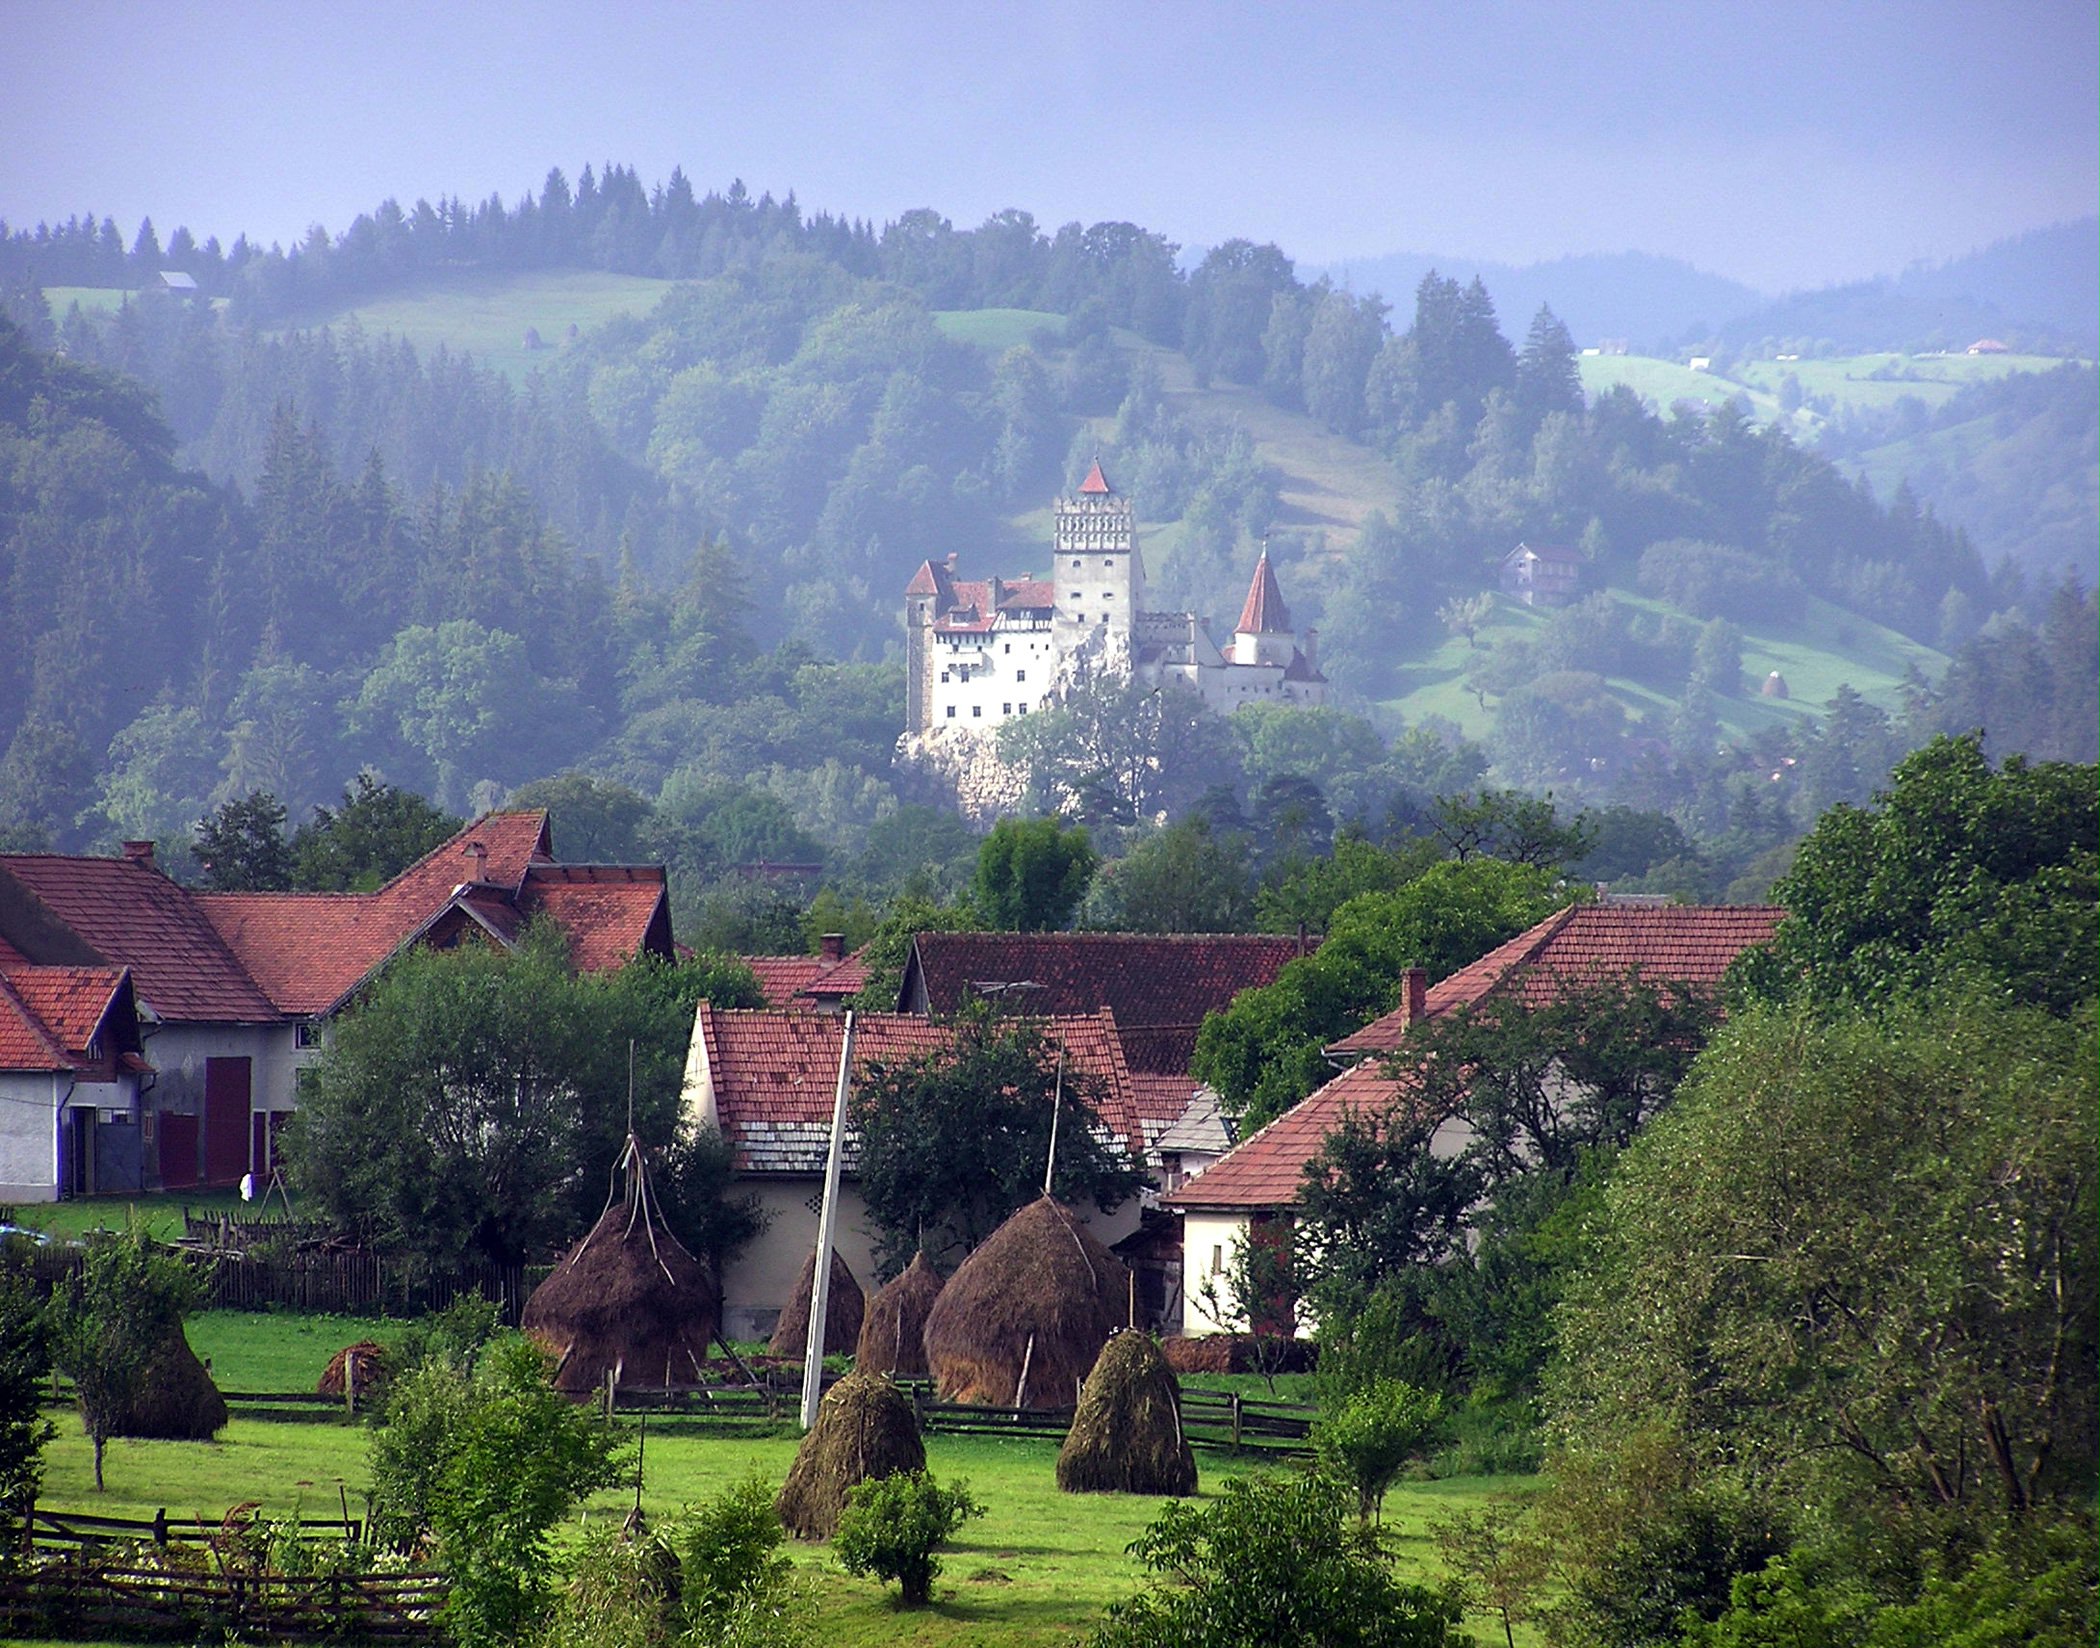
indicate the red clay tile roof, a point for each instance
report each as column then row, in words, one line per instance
column 133, row 916
column 774, row 1075
column 49, row 1015
column 1692, row 943
column 1266, row 1168
column 309, row 951
column 1161, row 1100
column 1095, row 481
column 1154, row 982
column 927, row 580
column 1264, row 613
column 798, row 981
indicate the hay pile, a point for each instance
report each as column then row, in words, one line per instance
column 177, row 1400
column 893, row 1337
column 1020, row 1323
column 371, row 1369
column 843, row 1312
column 1126, row 1435
column 626, row 1300
column 865, row 1429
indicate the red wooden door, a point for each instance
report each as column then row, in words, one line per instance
column 178, row 1151
column 225, row 1120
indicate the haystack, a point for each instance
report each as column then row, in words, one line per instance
column 371, row 1369
column 1126, row 1435
column 893, row 1337
column 628, row 1299
column 1020, row 1322
column 177, row 1400
column 842, row 1312
column 865, row 1429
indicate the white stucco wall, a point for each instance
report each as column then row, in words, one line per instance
column 29, row 1136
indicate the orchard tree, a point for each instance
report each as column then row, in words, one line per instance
column 107, row 1321
column 25, row 1357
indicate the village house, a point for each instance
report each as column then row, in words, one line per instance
column 234, row 991
column 822, row 983
column 1256, row 1184
column 71, row 1064
column 768, row 1081
column 1546, row 576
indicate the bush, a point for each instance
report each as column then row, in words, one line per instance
column 893, row 1525
column 1274, row 1560
column 729, row 1556
column 1373, row 1434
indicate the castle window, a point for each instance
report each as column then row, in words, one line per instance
column 1075, row 563
column 1023, row 710
column 1009, row 647
column 976, row 711
column 951, row 712
column 944, row 675
column 1020, row 675
column 1108, row 595
column 1006, row 709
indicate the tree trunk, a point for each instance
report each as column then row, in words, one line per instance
column 99, row 1440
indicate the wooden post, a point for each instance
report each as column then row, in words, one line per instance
column 350, row 1383
column 827, row 1221
column 1235, row 1421
column 608, row 1398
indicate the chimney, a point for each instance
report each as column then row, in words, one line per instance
column 832, row 948
column 478, row 854
column 139, row 852
column 1312, row 649
column 952, row 557
column 1414, row 996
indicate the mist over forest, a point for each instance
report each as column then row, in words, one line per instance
column 653, row 576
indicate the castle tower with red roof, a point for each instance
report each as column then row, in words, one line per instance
column 1097, row 577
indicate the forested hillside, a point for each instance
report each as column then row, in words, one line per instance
column 670, row 556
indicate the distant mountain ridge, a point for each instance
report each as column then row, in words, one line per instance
column 1642, row 297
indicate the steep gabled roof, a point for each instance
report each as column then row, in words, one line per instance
column 800, row 981
column 1267, row 1167
column 771, row 1076
column 1686, row 943
column 611, row 912
column 51, row 1016
column 1095, row 482
column 123, row 912
column 1264, row 612
column 1152, row 981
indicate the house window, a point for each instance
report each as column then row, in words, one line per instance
column 951, row 712
column 306, row 1035
column 1217, row 1259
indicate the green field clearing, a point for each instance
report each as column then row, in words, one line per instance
column 1038, row 1569
column 161, row 1213
column 995, row 330
column 1824, row 649
column 486, row 315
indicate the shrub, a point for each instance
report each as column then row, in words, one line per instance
column 1375, row 1431
column 893, row 1525
column 1274, row 1560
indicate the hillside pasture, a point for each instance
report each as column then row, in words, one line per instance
column 996, row 330
column 487, row 315
column 1824, row 649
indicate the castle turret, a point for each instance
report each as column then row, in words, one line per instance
column 1098, row 575
column 1264, row 634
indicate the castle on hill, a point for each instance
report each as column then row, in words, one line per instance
column 980, row 653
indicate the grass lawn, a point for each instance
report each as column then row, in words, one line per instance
column 1038, row 1569
column 995, row 330
column 161, row 1214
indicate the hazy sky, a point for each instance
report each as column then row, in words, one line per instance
column 1786, row 143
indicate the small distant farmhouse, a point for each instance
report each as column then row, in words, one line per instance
column 1257, row 1183
column 211, row 1004
column 1546, row 576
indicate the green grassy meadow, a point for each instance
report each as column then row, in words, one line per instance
column 1038, row 1569
column 995, row 330
column 1816, row 654
column 160, row 1213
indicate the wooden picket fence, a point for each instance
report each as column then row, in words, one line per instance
column 78, row 1575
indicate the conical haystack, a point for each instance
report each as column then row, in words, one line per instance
column 177, row 1400
column 865, row 1429
column 843, row 1311
column 626, row 1300
column 893, row 1337
column 371, row 1369
column 1126, row 1435
column 1020, row 1322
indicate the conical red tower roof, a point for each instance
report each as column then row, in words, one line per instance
column 1264, row 613
column 1095, row 481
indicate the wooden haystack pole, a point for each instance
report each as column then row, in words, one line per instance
column 1126, row 1436
column 1022, row 1320
column 177, row 1400
column 893, row 1336
column 842, row 1318
column 628, row 1300
column 864, row 1429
